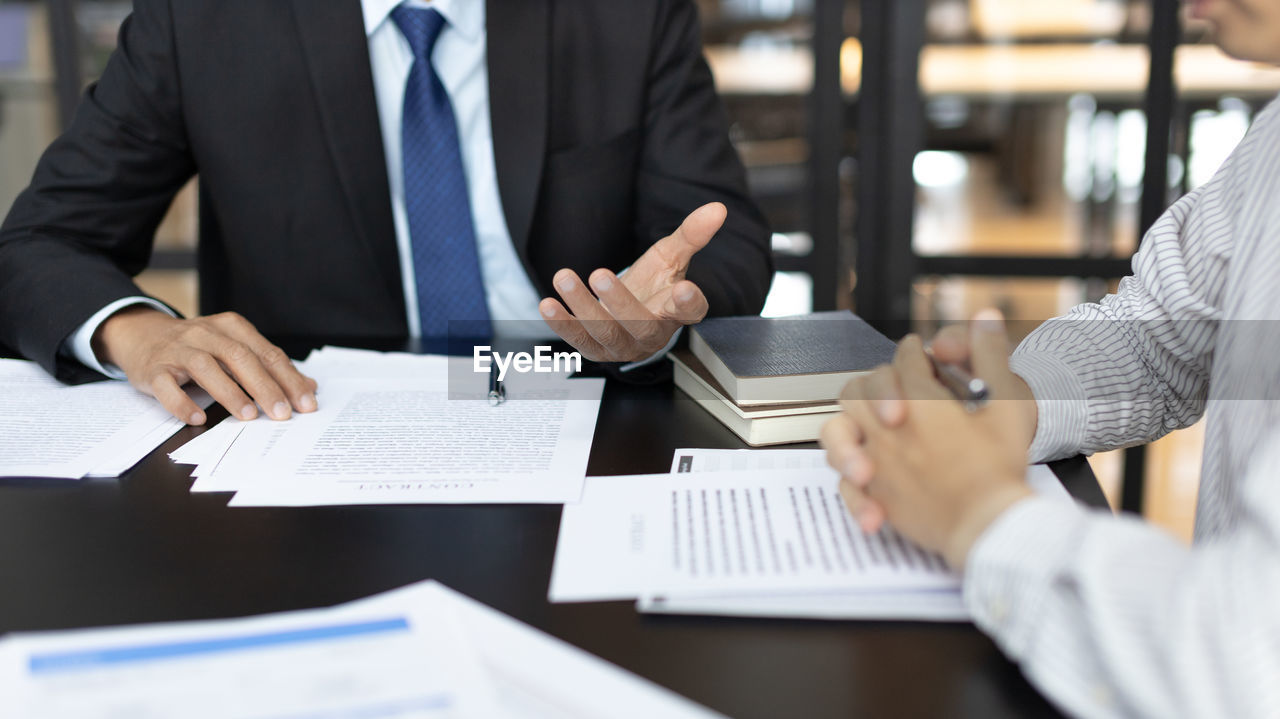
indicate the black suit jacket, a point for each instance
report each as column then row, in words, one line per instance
column 606, row 132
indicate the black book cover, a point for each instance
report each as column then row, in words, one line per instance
column 822, row 342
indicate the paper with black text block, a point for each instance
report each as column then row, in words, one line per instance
column 718, row 533
column 606, row 543
column 403, row 439
column 100, row 429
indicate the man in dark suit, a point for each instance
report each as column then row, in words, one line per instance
column 374, row 169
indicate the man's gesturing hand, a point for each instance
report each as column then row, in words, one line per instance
column 636, row 314
column 222, row 353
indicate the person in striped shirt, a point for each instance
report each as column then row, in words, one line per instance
column 1107, row 615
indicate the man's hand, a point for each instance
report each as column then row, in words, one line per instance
column 222, row 353
column 907, row 450
column 635, row 315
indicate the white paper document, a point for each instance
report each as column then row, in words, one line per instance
column 540, row 677
column 394, row 661
column 397, row 429
column 747, row 542
column 718, row 533
column 101, row 429
column 1040, row 478
column 422, row 651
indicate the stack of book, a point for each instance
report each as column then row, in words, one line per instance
column 776, row 381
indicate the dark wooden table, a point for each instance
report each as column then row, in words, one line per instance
column 143, row 549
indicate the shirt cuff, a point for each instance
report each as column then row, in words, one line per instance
column 1010, row 571
column 1061, row 405
column 81, row 341
column 671, row 343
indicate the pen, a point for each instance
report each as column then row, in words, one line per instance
column 497, row 393
column 971, row 391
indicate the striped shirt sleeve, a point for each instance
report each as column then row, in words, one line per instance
column 1110, row 616
column 1135, row 366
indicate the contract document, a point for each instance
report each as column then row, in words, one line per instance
column 421, row 651
column 747, row 542
column 408, row 429
column 101, row 429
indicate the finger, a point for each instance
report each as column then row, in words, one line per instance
column 842, row 439
column 855, row 390
column 862, row 414
column 990, row 345
column 253, row 377
column 678, row 248
column 571, row 330
column 951, row 344
column 601, row 325
column 209, row 374
column 867, row 512
column 164, row 387
column 686, row 303
column 915, row 371
column 882, row 388
column 885, row 392
column 298, row 388
column 872, row 517
column 647, row 329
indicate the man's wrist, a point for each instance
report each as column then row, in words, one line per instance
column 111, row 335
column 979, row 515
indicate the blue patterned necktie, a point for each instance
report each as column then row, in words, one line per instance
column 446, row 266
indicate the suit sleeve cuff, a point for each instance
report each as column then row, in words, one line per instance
column 81, row 341
column 671, row 343
column 1061, row 405
column 1010, row 569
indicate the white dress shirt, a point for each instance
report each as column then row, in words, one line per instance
column 1110, row 616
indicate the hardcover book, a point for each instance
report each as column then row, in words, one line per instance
column 807, row 358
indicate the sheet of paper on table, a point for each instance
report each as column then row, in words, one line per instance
column 1040, row 478
column 391, row 429
column 421, row 651
column 207, row 449
column 542, row 677
column 765, row 542
column 100, row 429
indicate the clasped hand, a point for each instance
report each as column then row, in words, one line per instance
column 908, row 452
column 635, row 315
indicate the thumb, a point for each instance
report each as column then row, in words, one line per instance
column 678, row 248
column 989, row 350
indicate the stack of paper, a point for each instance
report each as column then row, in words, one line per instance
column 748, row 533
column 400, row 428
column 48, row 429
column 420, row 651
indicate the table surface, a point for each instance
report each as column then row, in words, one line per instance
column 143, row 549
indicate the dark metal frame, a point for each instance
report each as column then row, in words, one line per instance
column 890, row 133
column 1160, row 109
column 826, row 148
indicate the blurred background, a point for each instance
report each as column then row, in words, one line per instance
column 918, row 159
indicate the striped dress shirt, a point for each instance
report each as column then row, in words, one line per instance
column 1107, row 615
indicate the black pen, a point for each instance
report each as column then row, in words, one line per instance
column 497, row 393
column 971, row 391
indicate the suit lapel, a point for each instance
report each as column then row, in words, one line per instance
column 337, row 53
column 518, row 38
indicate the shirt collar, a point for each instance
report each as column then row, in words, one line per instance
column 464, row 16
